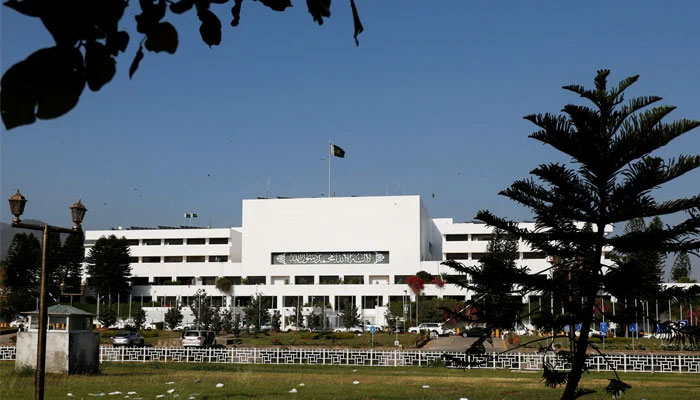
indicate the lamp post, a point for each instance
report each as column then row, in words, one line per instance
column 17, row 203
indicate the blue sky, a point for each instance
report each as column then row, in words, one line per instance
column 432, row 99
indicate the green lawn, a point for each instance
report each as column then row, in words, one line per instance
column 327, row 382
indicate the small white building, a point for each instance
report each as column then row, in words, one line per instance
column 334, row 251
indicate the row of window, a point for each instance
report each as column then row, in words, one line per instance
column 178, row 259
column 475, row 237
column 261, row 280
column 170, row 242
column 527, row 255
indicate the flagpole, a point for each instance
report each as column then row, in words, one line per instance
column 329, row 168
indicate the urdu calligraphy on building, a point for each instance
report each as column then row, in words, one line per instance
column 347, row 257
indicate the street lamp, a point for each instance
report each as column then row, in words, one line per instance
column 17, row 203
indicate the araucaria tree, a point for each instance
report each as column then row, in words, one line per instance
column 609, row 180
column 350, row 316
column 109, row 266
column 680, row 272
column 173, row 317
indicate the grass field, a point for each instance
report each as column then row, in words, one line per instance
column 198, row 381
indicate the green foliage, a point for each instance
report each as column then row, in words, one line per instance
column 610, row 180
column 109, row 266
column 173, row 317
column 139, row 318
column 680, row 272
column 223, row 284
column 425, row 276
column 201, row 309
column 23, row 264
column 49, row 82
column 107, row 316
column 276, row 320
column 73, row 255
column 256, row 313
column 350, row 316
column 226, row 320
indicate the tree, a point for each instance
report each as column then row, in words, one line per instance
column 109, row 266
column 276, row 321
column 23, row 263
column 425, row 276
column 216, row 321
column 614, row 175
column 223, row 284
column 350, row 316
column 49, row 82
column 173, row 318
column 73, row 255
column 201, row 309
column 139, row 319
column 680, row 272
column 256, row 313
column 227, row 320
column 107, row 317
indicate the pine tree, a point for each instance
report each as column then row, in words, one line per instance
column 680, row 272
column 109, row 266
column 139, row 318
column 73, row 255
column 173, row 318
column 610, row 181
column 350, row 316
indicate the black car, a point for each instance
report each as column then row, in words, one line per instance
column 475, row 332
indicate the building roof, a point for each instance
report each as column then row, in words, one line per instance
column 61, row 309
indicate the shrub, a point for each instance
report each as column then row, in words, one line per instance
column 25, row 370
column 276, row 341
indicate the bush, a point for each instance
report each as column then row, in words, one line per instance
column 276, row 341
column 25, row 370
column 149, row 334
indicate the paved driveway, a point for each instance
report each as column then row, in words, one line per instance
column 458, row 343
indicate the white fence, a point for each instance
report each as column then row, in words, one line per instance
column 396, row 358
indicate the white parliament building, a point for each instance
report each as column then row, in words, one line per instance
column 307, row 250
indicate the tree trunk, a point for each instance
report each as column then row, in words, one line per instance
column 580, row 354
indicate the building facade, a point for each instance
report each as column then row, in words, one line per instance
column 317, row 251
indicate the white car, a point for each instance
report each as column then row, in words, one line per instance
column 353, row 329
column 430, row 327
column 18, row 323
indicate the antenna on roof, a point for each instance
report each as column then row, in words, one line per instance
column 267, row 191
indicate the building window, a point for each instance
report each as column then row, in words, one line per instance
column 151, row 242
column 457, row 238
column 132, row 242
column 533, row 255
column 456, row 256
column 150, row 259
column 304, row 280
column 208, row 280
column 186, row 280
column 139, row 280
column 218, row 258
column 173, row 242
column 195, row 241
column 218, row 240
column 294, row 301
column 481, row 237
column 160, row 280
column 133, row 260
column 400, row 279
column 195, row 258
column 372, row 301
column 353, row 280
column 253, row 280
column 235, row 280
column 172, row 259
column 478, row 256
column 329, row 280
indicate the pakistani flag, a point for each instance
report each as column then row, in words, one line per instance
column 337, row 151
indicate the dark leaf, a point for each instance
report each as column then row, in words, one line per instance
column 99, row 65
column 356, row 20
column 210, row 28
column 162, row 38
column 116, row 42
column 150, row 16
column 277, row 5
column 319, row 9
column 135, row 64
column 49, row 82
column 236, row 12
column 617, row 387
column 553, row 378
column 30, row 8
column 181, row 6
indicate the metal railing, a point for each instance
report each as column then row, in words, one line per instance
column 653, row 363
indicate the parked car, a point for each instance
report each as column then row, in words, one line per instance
column 592, row 333
column 475, row 332
column 127, row 338
column 18, row 323
column 199, row 339
column 430, row 327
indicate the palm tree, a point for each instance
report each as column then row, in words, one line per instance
column 609, row 180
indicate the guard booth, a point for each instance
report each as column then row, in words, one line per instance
column 71, row 346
